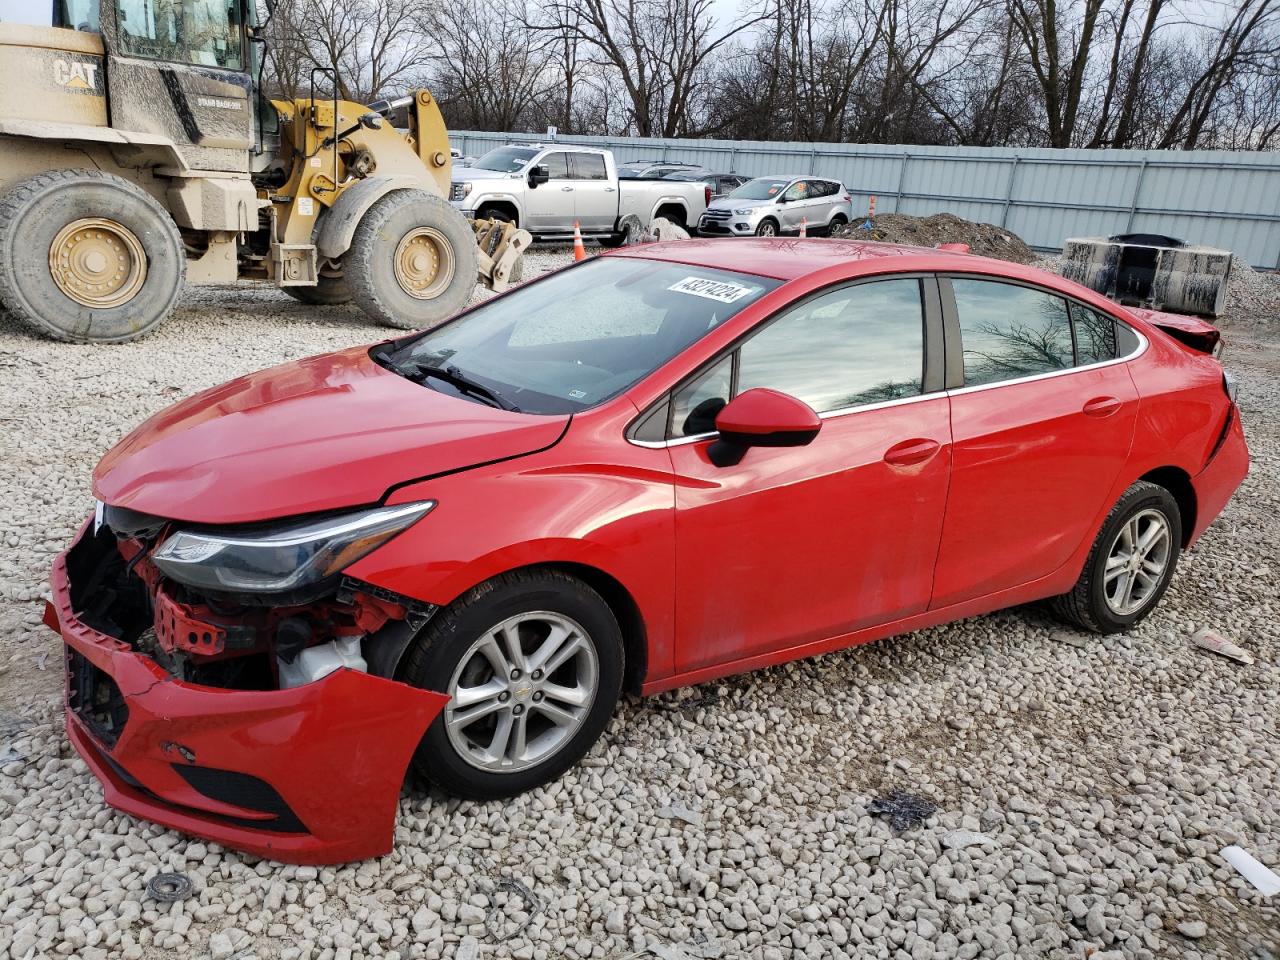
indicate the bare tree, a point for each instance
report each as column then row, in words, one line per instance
column 373, row 47
column 488, row 71
column 659, row 52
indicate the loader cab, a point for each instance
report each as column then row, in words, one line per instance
column 179, row 70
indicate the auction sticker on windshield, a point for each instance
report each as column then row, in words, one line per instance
column 711, row 289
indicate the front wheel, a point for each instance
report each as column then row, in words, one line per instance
column 331, row 290
column 767, row 228
column 1130, row 564
column 532, row 663
column 412, row 261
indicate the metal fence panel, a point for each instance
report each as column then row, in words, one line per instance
column 1221, row 198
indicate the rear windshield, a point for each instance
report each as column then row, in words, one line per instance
column 580, row 336
column 762, row 188
column 505, row 159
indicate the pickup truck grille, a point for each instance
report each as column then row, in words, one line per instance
column 455, row 191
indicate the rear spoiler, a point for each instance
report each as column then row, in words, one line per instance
column 1191, row 331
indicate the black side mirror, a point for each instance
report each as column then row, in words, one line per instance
column 539, row 174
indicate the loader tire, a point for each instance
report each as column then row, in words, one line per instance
column 412, row 262
column 328, row 292
column 88, row 257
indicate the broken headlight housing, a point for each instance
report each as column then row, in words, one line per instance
column 281, row 558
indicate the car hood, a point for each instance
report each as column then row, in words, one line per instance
column 323, row 433
column 729, row 203
column 476, row 173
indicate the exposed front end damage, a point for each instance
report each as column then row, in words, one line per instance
column 193, row 711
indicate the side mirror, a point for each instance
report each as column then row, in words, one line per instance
column 761, row 417
column 539, row 174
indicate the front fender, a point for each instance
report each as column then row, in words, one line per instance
column 340, row 222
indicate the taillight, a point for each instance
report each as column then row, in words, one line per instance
column 708, row 192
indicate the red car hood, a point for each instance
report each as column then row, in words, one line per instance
column 319, row 434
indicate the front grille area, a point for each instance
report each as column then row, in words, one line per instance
column 717, row 215
column 243, row 790
column 94, row 697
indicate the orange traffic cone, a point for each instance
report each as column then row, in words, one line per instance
column 579, row 251
column 804, row 224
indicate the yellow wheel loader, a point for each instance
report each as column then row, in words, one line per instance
column 137, row 151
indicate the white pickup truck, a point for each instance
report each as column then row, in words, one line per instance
column 546, row 187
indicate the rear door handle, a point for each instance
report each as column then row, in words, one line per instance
column 1101, row 407
column 910, row 452
column 610, row 189
column 566, row 189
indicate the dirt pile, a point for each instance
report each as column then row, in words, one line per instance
column 984, row 239
column 1252, row 291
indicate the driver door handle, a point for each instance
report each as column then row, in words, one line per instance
column 610, row 189
column 910, row 452
column 1101, row 407
column 566, row 189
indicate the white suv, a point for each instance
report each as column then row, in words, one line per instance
column 771, row 206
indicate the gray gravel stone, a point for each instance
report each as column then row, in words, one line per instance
column 1105, row 776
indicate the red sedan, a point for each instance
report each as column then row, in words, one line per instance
column 658, row 467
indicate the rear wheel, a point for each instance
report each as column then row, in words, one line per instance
column 1130, row 564
column 88, row 257
column 331, row 289
column 412, row 261
column 767, row 228
column 837, row 224
column 532, row 662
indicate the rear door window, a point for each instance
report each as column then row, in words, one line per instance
column 589, row 166
column 205, row 32
column 1009, row 331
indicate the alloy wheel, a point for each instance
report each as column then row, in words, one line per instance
column 521, row 692
column 1137, row 562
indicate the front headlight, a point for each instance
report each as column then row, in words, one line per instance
column 744, row 212
column 283, row 558
column 467, row 188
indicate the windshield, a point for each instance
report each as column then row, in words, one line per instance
column 762, row 188
column 578, row 337
column 505, row 159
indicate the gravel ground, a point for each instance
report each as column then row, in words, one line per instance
column 1083, row 786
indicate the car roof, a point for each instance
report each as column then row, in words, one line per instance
column 788, row 259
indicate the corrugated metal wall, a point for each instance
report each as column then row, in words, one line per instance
column 1218, row 198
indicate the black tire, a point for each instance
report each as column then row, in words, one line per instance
column 1086, row 605
column 328, row 292
column 629, row 231
column 494, row 213
column 434, row 655
column 768, row 228
column 35, row 212
column 370, row 269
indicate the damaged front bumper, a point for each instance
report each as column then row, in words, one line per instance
column 310, row 774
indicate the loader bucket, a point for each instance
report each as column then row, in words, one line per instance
column 1155, row 272
column 501, row 252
